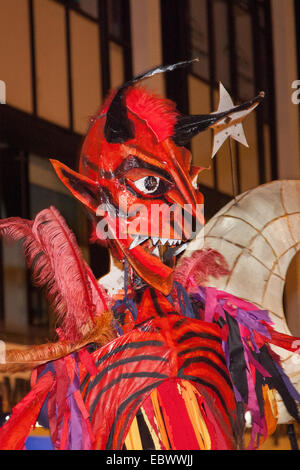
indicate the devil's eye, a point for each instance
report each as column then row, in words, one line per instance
column 148, row 184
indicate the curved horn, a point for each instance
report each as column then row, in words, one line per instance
column 118, row 127
column 188, row 127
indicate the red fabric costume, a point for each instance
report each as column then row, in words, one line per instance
column 178, row 364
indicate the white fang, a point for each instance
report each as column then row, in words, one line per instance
column 137, row 241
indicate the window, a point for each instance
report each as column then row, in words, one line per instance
column 119, row 41
column 222, row 43
column 244, row 53
column 89, row 7
column 233, row 40
column 198, row 45
column 115, row 19
column 87, row 41
column 244, row 4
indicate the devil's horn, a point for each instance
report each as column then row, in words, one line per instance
column 118, row 127
column 188, row 127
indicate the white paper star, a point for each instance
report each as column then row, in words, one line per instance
column 231, row 125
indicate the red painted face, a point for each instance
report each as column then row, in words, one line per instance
column 141, row 188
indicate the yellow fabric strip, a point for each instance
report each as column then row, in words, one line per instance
column 271, row 411
column 189, row 395
column 153, row 434
column 133, row 438
column 159, row 418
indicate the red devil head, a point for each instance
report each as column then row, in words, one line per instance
column 136, row 175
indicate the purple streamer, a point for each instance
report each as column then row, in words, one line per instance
column 251, row 320
column 292, row 391
column 75, row 425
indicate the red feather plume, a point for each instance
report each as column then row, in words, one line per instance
column 159, row 113
column 57, row 264
column 201, row 265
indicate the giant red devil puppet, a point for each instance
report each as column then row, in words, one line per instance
column 169, row 363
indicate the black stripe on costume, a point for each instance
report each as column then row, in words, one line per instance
column 209, row 362
column 179, row 323
column 84, row 382
column 121, row 362
column 128, row 375
column 194, row 334
column 211, row 386
column 276, row 381
column 129, row 417
column 259, row 382
column 142, row 323
column 133, row 345
column 146, row 438
column 203, row 348
column 123, row 406
column 158, row 309
column 237, row 366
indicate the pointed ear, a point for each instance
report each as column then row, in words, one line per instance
column 83, row 188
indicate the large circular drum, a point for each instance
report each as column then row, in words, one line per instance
column 259, row 234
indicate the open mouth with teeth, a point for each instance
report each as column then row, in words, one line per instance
column 163, row 248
